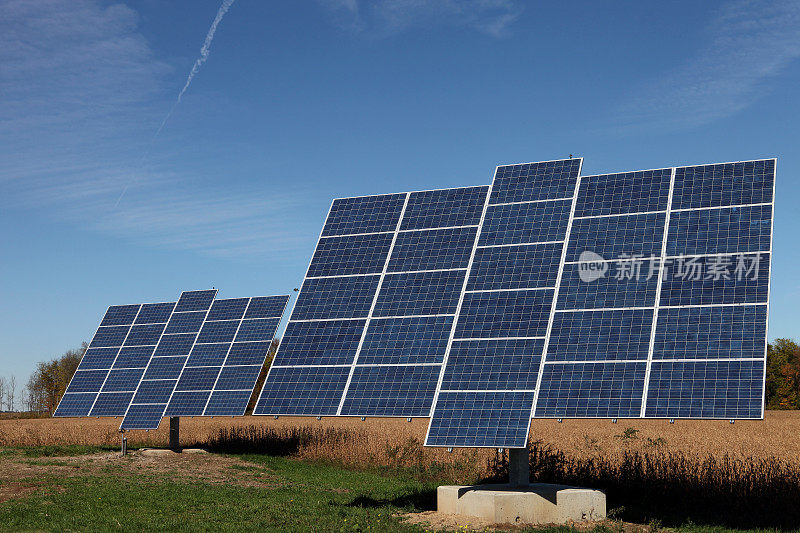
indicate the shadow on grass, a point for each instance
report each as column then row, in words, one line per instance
column 675, row 489
column 422, row 500
column 268, row 441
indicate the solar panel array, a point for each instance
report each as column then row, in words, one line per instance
column 547, row 294
column 196, row 357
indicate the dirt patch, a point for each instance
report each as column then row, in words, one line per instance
column 448, row 522
column 190, row 467
column 15, row 490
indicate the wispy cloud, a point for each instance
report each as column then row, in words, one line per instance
column 81, row 94
column 748, row 43
column 385, row 17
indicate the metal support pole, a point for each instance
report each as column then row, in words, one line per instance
column 174, row 433
column 124, row 445
column 519, row 473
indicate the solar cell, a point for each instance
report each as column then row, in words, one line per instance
column 391, row 391
column 444, row 208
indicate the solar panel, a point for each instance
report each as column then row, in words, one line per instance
column 140, row 354
column 374, row 316
column 108, row 373
column 547, row 294
column 208, row 360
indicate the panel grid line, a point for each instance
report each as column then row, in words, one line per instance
column 659, row 283
column 227, row 353
column 554, row 304
column 110, row 368
column 451, row 336
column 372, row 307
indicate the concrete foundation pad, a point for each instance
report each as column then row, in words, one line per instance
column 537, row 503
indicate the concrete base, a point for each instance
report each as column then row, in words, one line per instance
column 537, row 503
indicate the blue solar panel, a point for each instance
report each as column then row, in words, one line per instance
column 312, row 391
column 155, row 313
column 144, row 335
column 335, row 297
column 248, row 353
column 719, row 231
column 515, row 267
column 266, row 307
column 109, row 336
column 230, row 309
column 504, row 314
column 188, row 322
column 629, row 192
column 191, row 403
column 706, row 389
column 260, row 329
column 220, row 331
column 228, row 339
column 613, row 290
column 227, row 403
column 365, row 214
column 96, row 358
column 355, row 254
column 420, row 293
column 481, row 419
column 391, row 391
column 157, row 381
column 75, row 404
column 444, row 208
column 616, row 334
column 400, row 298
column 143, row 416
column 195, row 301
column 525, row 223
column 134, row 356
column 87, row 381
column 493, row 364
column 535, row 181
column 591, row 390
column 332, row 342
column 209, row 354
column 118, row 315
column 111, row 404
column 711, row 332
column 617, row 237
column 410, row 340
column 719, row 282
column 432, row 249
column 749, row 182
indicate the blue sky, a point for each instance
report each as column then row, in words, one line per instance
column 300, row 102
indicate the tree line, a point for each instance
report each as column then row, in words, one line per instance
column 47, row 384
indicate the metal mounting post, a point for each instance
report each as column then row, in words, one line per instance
column 174, row 433
column 519, row 473
column 124, row 444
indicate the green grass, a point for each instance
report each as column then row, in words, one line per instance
column 294, row 496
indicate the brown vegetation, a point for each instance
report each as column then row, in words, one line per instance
column 707, row 471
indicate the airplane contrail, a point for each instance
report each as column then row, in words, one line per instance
column 204, row 51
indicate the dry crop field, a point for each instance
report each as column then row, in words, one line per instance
column 778, row 435
column 738, row 475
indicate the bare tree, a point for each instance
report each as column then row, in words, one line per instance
column 2, row 393
column 11, row 392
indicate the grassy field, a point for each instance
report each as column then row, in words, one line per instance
column 340, row 474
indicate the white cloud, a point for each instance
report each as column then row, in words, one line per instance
column 749, row 42
column 383, row 17
column 81, row 95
